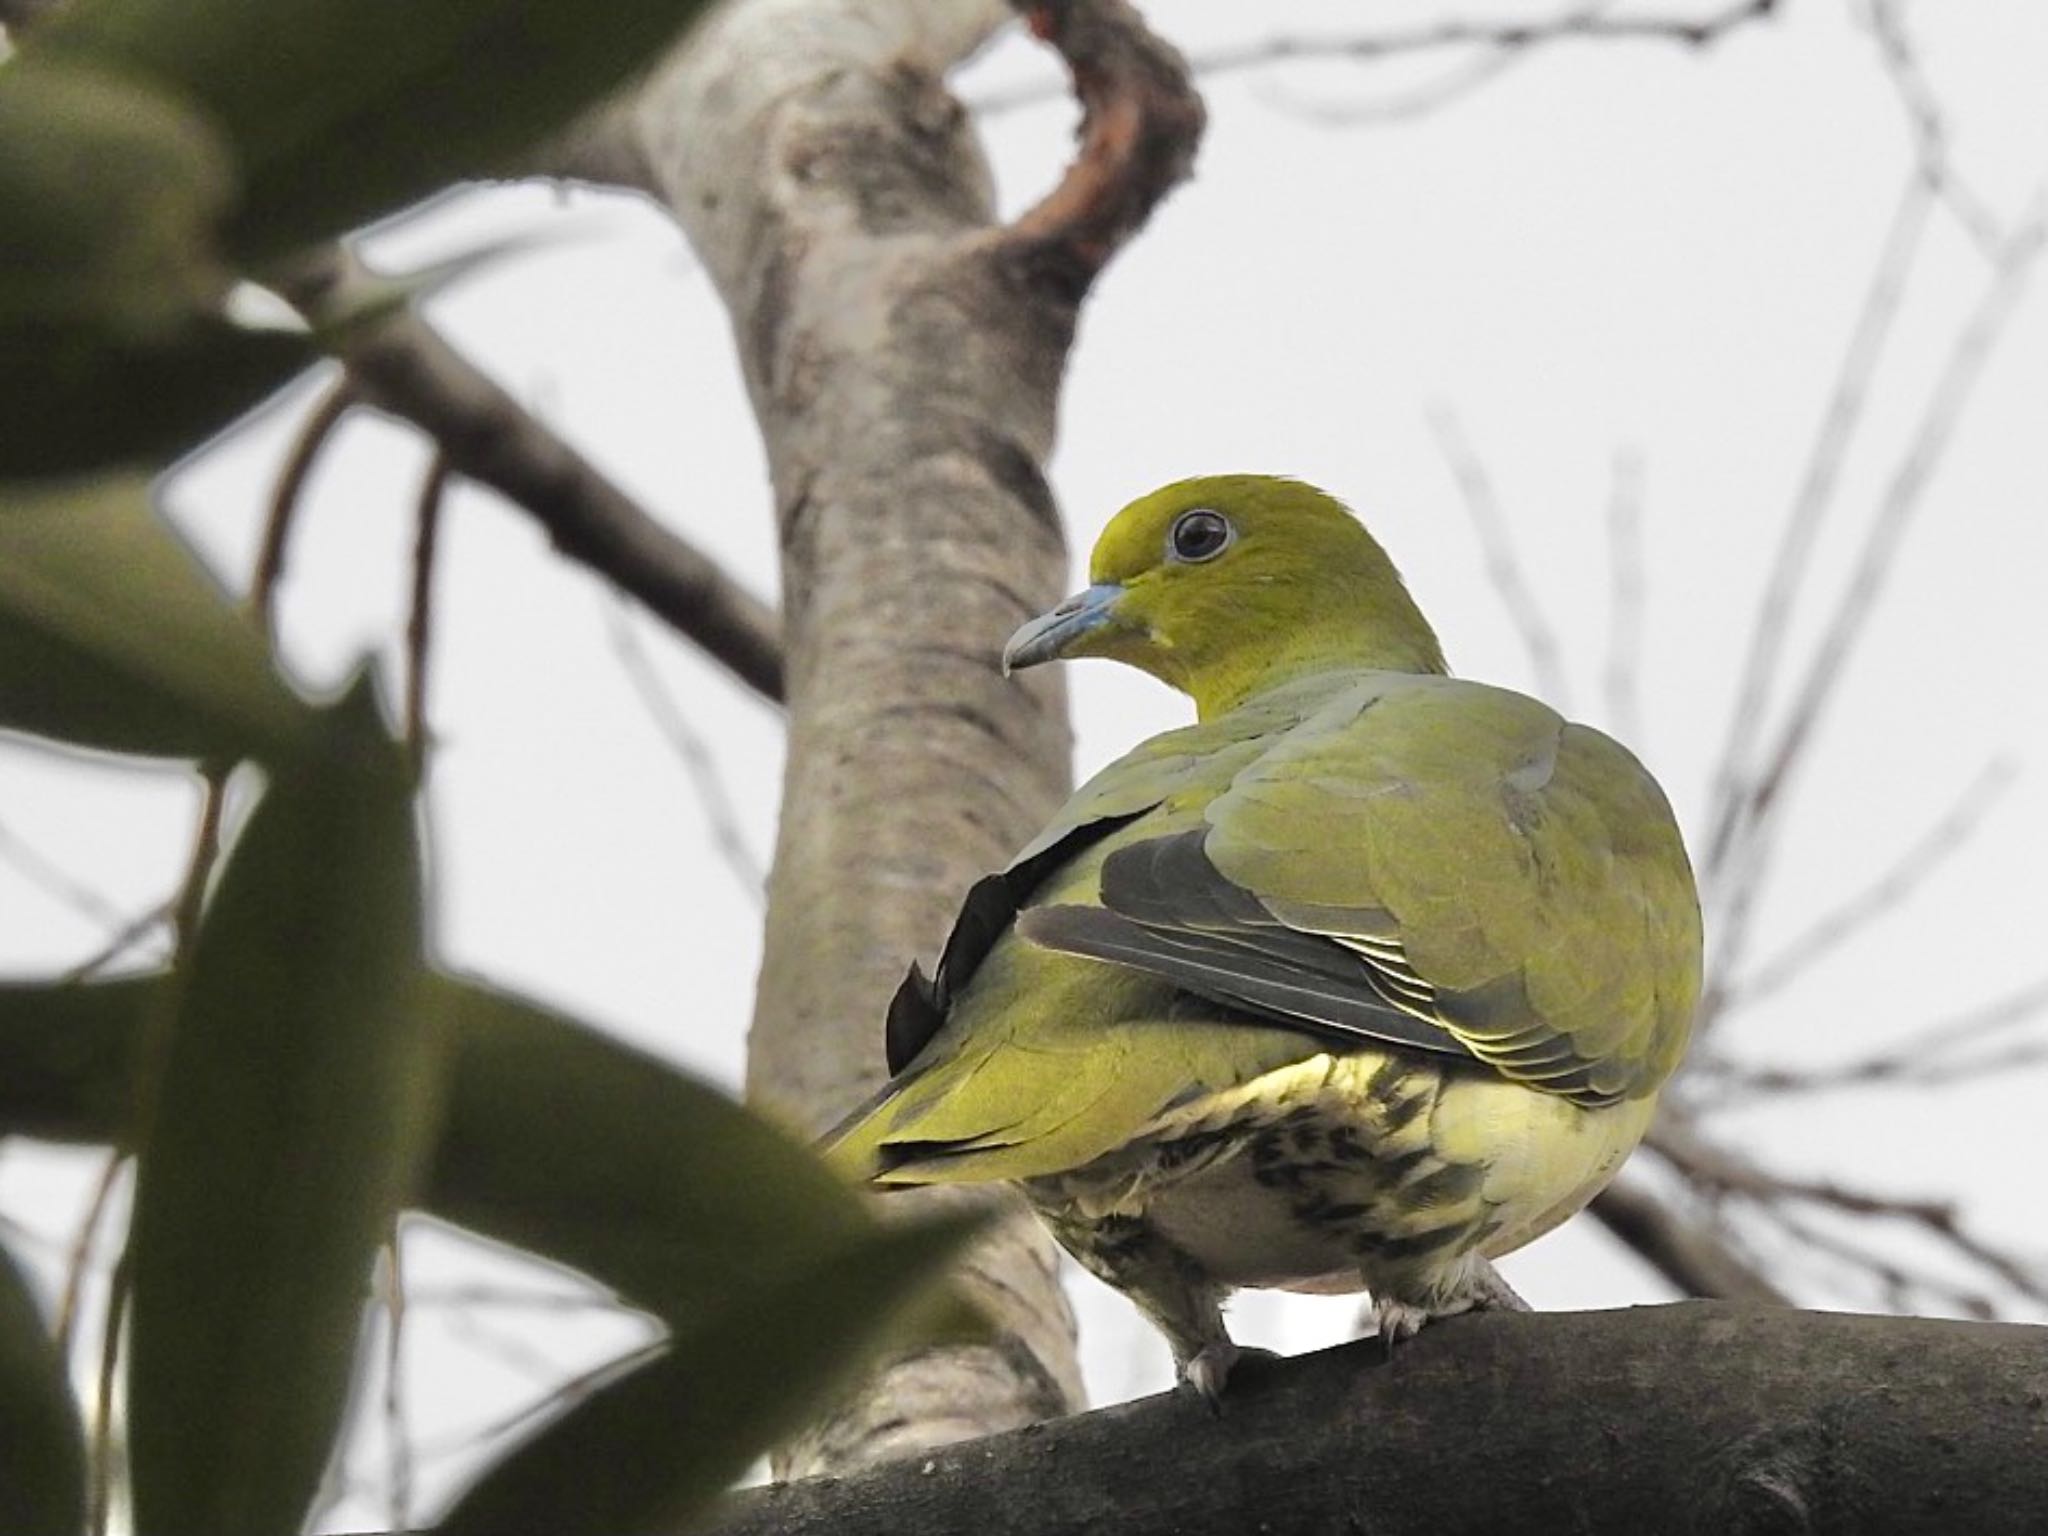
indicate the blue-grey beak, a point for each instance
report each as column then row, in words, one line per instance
column 1047, row 637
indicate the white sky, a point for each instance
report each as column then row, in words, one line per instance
column 1614, row 246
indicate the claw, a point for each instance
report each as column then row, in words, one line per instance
column 1397, row 1321
column 1208, row 1372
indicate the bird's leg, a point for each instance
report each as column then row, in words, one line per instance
column 1491, row 1292
column 1399, row 1312
column 1169, row 1288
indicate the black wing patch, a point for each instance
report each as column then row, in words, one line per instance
column 1168, row 911
column 920, row 1004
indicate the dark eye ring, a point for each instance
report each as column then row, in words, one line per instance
column 1199, row 534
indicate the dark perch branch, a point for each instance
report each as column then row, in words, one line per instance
column 1702, row 1417
column 404, row 366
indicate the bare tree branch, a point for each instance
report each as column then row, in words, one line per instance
column 403, row 366
column 1494, row 42
column 1929, row 127
column 1948, row 1052
column 1907, row 876
column 1843, row 414
column 59, row 884
column 691, row 749
column 1684, row 1251
column 1503, row 565
column 1714, row 1168
column 1902, row 495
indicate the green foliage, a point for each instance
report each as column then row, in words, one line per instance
column 296, row 1095
column 112, row 635
column 772, row 1282
column 299, row 1080
column 42, row 1483
column 652, row 1447
column 153, row 152
column 338, row 112
column 112, row 348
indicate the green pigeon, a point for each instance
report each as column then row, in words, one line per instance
column 1369, row 976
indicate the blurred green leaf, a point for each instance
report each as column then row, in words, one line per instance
column 109, row 194
column 560, row 1141
column 112, row 345
column 66, row 1053
column 342, row 110
column 653, row 1447
column 113, row 635
column 42, row 1447
column 658, row 1185
column 82, row 397
column 295, row 1099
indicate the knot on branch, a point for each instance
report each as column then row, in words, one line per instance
column 1141, row 120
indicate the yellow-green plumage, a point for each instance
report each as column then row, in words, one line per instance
column 1370, row 972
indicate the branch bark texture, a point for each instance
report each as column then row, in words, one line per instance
column 903, row 352
column 1702, row 1417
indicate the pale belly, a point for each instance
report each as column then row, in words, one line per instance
column 1354, row 1172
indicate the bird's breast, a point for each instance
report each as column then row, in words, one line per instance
column 1353, row 1170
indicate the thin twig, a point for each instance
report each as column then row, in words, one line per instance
column 520, row 1298
column 132, row 933
column 1942, row 1053
column 1839, row 421
column 1907, row 875
column 419, row 628
column 100, row 1496
column 59, row 884
column 721, row 815
column 1687, row 1253
column 1710, row 1165
column 1587, row 23
column 403, row 366
column 313, row 436
column 1627, row 604
column 399, row 1468
column 1902, row 496
column 79, row 1260
column 1503, row 565
column 1929, row 127
column 1469, row 75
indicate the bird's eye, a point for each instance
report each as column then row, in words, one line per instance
column 1199, row 534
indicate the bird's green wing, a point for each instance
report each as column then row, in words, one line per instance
column 1511, row 885
column 1173, row 769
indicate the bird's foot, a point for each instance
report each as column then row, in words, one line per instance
column 1208, row 1369
column 1395, row 1322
